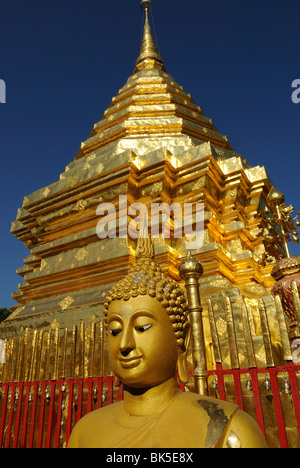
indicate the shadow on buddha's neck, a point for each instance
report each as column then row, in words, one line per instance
column 169, row 386
column 136, row 391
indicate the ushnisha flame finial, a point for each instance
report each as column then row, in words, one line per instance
column 145, row 247
column 149, row 56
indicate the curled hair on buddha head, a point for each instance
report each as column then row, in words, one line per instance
column 146, row 277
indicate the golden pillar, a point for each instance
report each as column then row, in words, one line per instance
column 191, row 270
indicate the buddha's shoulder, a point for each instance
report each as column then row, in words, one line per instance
column 227, row 425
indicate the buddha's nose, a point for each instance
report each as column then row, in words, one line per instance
column 127, row 343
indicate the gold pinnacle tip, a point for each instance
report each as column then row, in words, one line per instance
column 146, row 5
column 149, row 55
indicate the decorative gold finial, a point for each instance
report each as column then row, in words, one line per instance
column 275, row 197
column 149, row 56
column 190, row 267
column 281, row 215
column 146, row 5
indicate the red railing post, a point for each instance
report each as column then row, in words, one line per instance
column 278, row 408
column 257, row 402
column 3, row 415
column 59, row 413
column 10, row 417
column 70, row 411
column 25, row 415
column 50, row 418
column 79, row 407
column 42, row 412
column 221, row 385
column 33, row 413
column 100, row 388
column 89, row 399
column 238, row 388
column 18, row 416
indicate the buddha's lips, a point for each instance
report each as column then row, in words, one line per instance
column 130, row 362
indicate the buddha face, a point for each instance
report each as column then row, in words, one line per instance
column 142, row 346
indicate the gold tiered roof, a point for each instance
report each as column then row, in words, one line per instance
column 151, row 111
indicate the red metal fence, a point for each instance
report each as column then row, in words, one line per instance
column 42, row 414
column 267, row 377
column 52, row 378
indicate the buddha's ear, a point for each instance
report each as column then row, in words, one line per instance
column 182, row 355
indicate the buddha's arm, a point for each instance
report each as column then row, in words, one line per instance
column 74, row 440
column 242, row 432
column 79, row 434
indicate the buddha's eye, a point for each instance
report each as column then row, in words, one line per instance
column 144, row 328
column 115, row 332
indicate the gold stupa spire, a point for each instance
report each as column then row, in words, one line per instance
column 149, row 56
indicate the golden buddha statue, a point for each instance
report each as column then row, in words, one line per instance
column 146, row 317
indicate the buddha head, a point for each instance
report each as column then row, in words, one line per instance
column 146, row 317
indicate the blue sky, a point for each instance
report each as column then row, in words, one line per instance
column 63, row 61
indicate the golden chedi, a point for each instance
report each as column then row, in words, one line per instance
column 148, row 337
column 153, row 144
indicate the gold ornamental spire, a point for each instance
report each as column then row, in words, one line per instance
column 149, row 56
